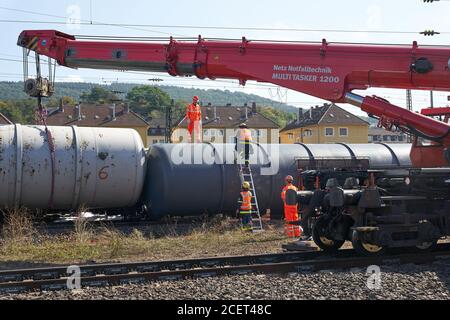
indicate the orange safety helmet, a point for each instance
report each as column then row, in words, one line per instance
column 289, row 179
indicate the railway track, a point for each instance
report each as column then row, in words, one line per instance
column 69, row 225
column 56, row 278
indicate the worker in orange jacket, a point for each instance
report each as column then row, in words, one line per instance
column 243, row 141
column 194, row 117
column 245, row 207
column 290, row 211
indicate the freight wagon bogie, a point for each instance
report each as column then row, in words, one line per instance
column 374, row 222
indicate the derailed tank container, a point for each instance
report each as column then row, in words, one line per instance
column 194, row 179
column 94, row 167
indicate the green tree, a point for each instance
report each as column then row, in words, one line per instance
column 10, row 112
column 145, row 99
column 54, row 102
column 98, row 95
column 19, row 111
column 279, row 116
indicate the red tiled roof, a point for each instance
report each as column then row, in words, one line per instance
column 232, row 117
column 96, row 116
column 326, row 114
column 4, row 119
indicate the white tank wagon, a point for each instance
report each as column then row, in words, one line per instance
column 93, row 167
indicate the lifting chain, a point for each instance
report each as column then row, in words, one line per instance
column 41, row 119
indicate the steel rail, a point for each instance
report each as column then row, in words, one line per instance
column 122, row 223
column 55, row 278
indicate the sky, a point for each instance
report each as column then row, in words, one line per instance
column 356, row 15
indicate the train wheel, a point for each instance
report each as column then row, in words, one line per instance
column 322, row 241
column 427, row 246
column 366, row 249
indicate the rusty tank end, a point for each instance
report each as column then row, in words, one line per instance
column 94, row 167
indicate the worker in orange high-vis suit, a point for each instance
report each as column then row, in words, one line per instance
column 245, row 207
column 194, row 117
column 243, row 141
column 290, row 210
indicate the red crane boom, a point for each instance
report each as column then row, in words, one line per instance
column 329, row 71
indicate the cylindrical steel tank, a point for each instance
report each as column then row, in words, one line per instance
column 94, row 167
column 193, row 179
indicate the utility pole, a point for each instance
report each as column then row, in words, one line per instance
column 168, row 129
column 410, row 108
column 409, row 99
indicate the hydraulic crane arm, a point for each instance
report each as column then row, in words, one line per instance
column 327, row 71
column 330, row 71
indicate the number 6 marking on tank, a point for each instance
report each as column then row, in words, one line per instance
column 102, row 174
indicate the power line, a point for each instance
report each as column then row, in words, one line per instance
column 127, row 25
column 81, row 21
column 134, row 26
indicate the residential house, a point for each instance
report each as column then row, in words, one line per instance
column 325, row 124
column 382, row 135
column 157, row 131
column 221, row 123
column 91, row 115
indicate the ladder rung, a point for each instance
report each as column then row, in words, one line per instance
column 247, row 176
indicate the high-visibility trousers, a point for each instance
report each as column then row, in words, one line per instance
column 194, row 131
column 246, row 219
column 291, row 215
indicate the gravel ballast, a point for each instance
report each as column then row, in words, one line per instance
column 397, row 282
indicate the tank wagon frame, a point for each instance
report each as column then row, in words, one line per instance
column 375, row 219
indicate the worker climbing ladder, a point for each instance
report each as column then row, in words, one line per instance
column 246, row 175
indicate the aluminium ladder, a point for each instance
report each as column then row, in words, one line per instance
column 246, row 175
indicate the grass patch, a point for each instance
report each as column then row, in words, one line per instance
column 218, row 237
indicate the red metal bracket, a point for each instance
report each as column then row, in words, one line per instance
column 386, row 122
column 243, row 46
column 201, row 59
column 172, row 57
column 389, row 123
column 323, row 49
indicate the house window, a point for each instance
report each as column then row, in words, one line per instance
column 290, row 136
column 205, row 132
column 307, row 133
column 385, row 138
column 343, row 132
column 400, row 138
column 155, row 141
column 162, row 141
column 329, row 132
column 221, row 132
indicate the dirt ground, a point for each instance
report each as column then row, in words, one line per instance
column 30, row 248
